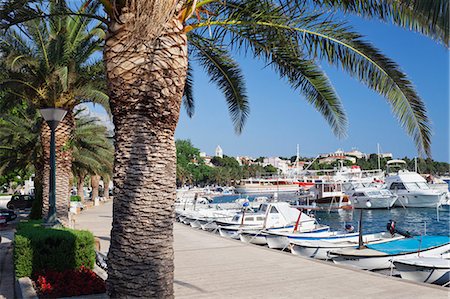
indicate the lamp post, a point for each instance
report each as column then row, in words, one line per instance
column 53, row 116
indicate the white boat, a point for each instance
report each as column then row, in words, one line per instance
column 411, row 188
column 435, row 270
column 381, row 256
column 275, row 215
column 281, row 240
column 266, row 185
column 319, row 248
column 303, row 225
column 360, row 196
column 329, row 193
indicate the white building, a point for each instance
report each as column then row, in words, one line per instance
column 276, row 162
column 219, row 152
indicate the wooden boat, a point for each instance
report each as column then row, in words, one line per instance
column 435, row 270
column 381, row 256
column 319, row 248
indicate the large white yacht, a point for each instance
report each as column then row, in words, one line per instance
column 266, row 185
column 411, row 188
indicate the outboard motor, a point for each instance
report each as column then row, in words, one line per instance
column 391, row 227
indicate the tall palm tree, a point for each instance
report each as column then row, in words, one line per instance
column 146, row 58
column 49, row 64
column 93, row 152
column 20, row 147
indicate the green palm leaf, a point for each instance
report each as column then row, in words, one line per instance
column 225, row 72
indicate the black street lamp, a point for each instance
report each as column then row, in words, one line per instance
column 53, row 116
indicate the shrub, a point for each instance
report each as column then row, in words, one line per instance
column 37, row 249
column 75, row 198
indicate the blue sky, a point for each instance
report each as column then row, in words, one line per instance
column 280, row 117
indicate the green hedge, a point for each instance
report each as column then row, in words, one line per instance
column 75, row 198
column 37, row 248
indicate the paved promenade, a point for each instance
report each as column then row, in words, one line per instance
column 208, row 266
column 6, row 264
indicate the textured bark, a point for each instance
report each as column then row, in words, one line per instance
column 106, row 189
column 95, row 183
column 80, row 187
column 63, row 166
column 146, row 83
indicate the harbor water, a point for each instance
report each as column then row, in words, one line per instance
column 417, row 221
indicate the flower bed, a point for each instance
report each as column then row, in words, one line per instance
column 53, row 284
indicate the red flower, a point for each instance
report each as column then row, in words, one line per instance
column 83, row 281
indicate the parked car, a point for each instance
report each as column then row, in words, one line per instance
column 20, row 202
column 9, row 215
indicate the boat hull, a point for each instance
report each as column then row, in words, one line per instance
column 277, row 242
column 375, row 203
column 319, row 249
column 419, row 201
column 267, row 189
column 370, row 262
column 257, row 238
column 412, row 270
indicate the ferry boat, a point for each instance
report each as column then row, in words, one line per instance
column 270, row 185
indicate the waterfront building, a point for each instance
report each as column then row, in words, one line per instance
column 278, row 163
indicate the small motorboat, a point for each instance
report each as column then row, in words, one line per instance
column 273, row 215
column 435, row 270
column 378, row 198
column 382, row 256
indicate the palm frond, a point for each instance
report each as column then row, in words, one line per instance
column 429, row 17
column 225, row 72
column 188, row 95
column 335, row 43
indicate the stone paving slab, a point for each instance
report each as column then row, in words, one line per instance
column 6, row 265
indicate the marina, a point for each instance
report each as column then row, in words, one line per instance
column 336, row 236
column 209, row 266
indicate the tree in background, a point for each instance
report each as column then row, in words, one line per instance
column 93, row 153
column 48, row 63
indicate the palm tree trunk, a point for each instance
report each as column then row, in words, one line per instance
column 146, row 83
column 80, row 187
column 63, row 166
column 106, row 188
column 95, row 183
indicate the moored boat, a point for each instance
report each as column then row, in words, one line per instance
column 377, row 197
column 275, row 215
column 411, row 188
column 381, row 256
column 319, row 248
column 266, row 185
column 435, row 270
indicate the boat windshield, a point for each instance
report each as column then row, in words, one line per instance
column 423, row 186
column 417, row 186
column 236, row 218
column 373, row 193
column 385, row 192
column 263, row 208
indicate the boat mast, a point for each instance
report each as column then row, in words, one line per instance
column 378, row 155
column 415, row 164
column 297, row 162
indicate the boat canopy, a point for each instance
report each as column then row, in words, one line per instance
column 410, row 245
